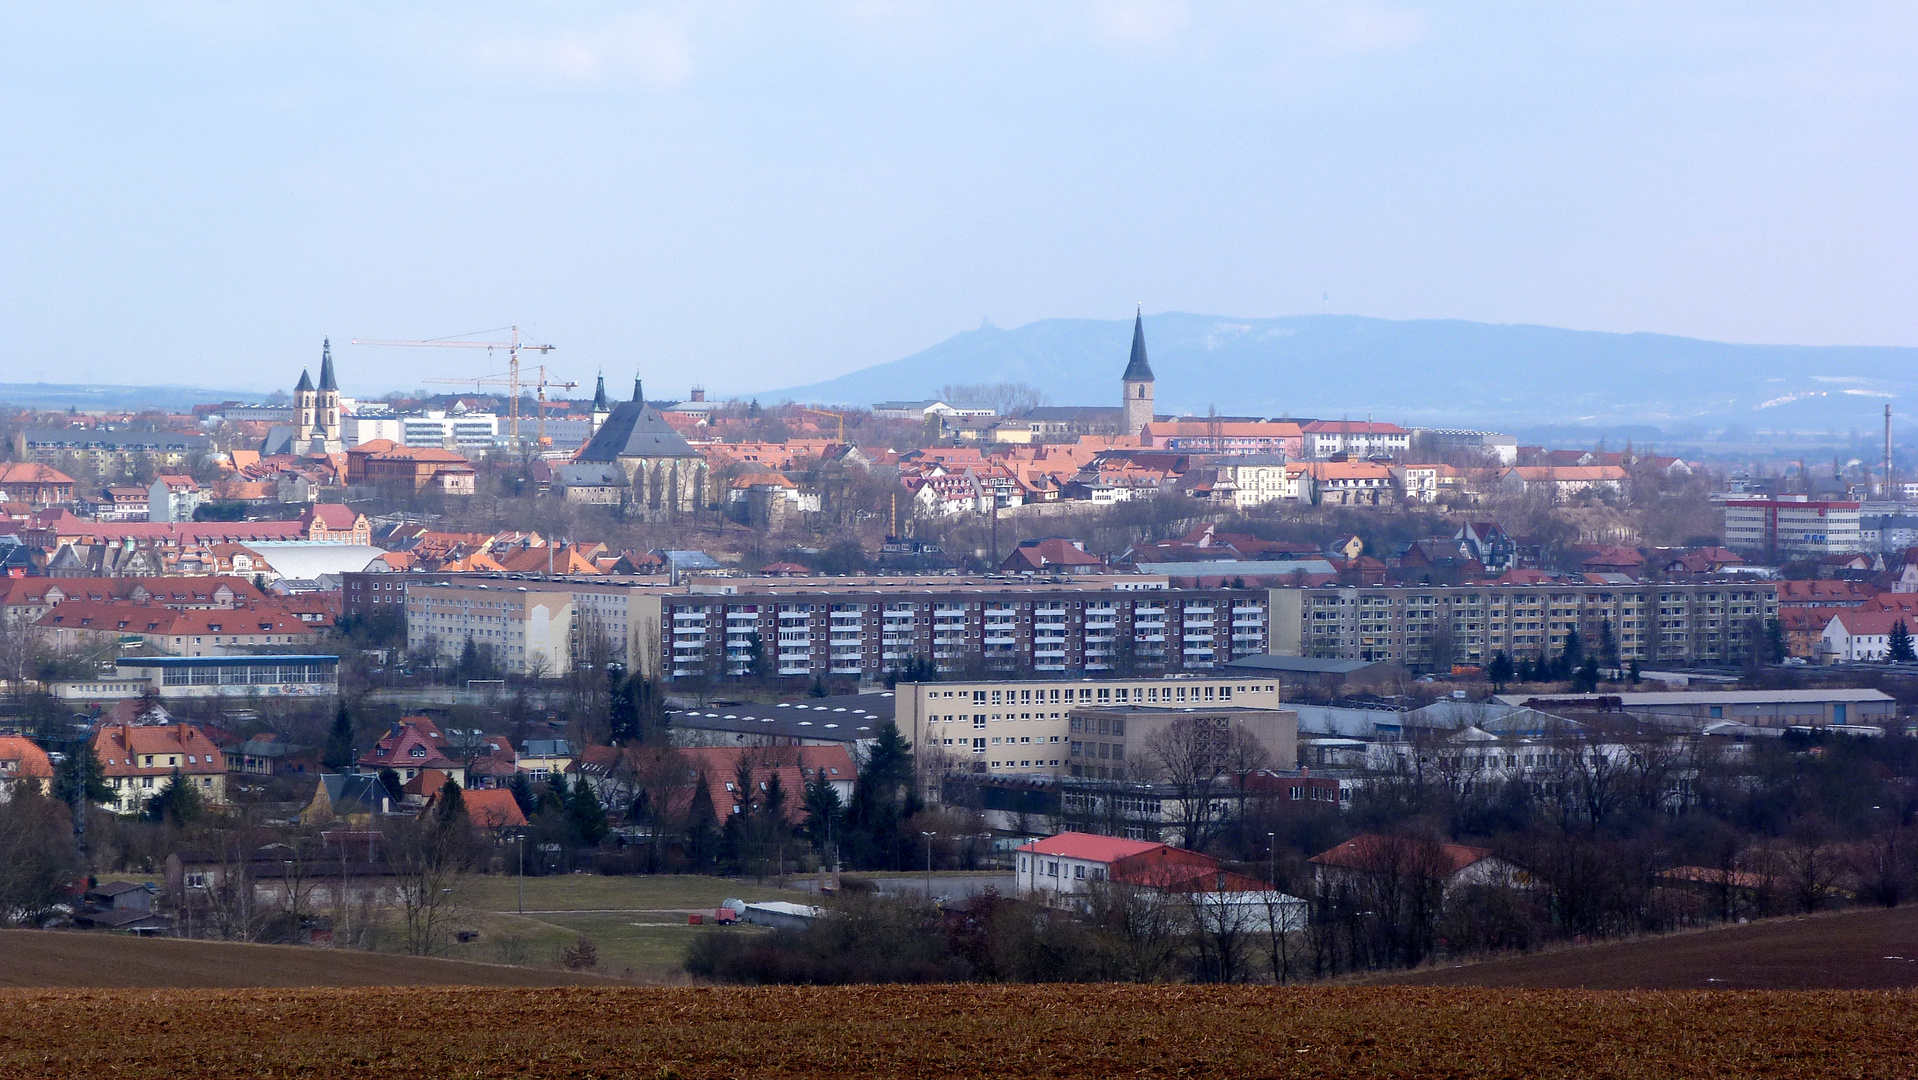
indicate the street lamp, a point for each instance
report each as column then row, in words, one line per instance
column 1272, row 851
column 519, row 839
column 928, row 837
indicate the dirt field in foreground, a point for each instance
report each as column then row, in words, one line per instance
column 1873, row 949
column 38, row 958
column 944, row 1032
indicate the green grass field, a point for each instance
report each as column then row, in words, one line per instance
column 636, row 923
column 592, row 892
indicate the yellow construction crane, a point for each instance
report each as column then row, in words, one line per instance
column 511, row 380
column 539, row 384
column 841, row 417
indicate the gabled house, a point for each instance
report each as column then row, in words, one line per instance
column 410, row 746
column 22, row 765
column 1370, row 856
column 139, row 762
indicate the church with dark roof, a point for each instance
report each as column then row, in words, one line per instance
column 664, row 474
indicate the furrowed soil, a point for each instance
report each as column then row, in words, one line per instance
column 40, row 958
column 931, row 1033
column 1874, row 949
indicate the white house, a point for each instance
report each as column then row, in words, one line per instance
column 1861, row 635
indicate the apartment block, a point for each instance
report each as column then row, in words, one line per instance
column 813, row 628
column 524, row 626
column 1431, row 627
column 861, row 628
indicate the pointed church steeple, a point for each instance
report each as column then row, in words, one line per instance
column 1137, row 370
column 1135, row 386
column 326, row 365
column 305, row 385
column 639, row 390
column 599, row 395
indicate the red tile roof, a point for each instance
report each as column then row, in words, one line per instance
column 1091, row 848
column 1370, row 851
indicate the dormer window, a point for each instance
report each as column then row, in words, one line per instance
column 419, row 751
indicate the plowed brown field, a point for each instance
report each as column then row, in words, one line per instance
column 939, row 1032
column 1867, row 949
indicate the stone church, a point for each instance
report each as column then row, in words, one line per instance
column 664, row 474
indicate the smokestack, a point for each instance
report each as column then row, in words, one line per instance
column 1887, row 491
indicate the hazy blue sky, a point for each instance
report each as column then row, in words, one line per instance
column 763, row 194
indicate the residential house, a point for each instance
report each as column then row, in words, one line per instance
column 173, row 497
column 414, row 744
column 139, row 762
column 335, row 523
column 1565, row 481
column 1854, row 635
column 23, row 764
column 35, row 485
column 1051, row 555
column 1369, row 856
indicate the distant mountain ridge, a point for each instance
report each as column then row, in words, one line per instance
column 114, row 398
column 1425, row 372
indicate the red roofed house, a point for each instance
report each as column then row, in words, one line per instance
column 1066, row 863
column 410, row 746
column 1051, row 555
column 490, row 809
column 1370, row 856
column 38, row 486
column 336, row 524
column 1071, row 863
column 1854, row 634
column 139, row 762
column 22, row 762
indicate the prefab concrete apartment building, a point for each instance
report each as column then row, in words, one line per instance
column 1104, row 626
column 1428, row 627
column 849, row 627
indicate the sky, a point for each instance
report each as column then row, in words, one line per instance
column 757, row 195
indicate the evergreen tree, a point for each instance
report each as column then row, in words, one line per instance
column 585, row 817
column 699, row 826
column 883, row 799
column 1500, row 670
column 339, row 740
column 818, row 688
column 469, row 661
column 1775, row 640
column 452, row 803
column 522, row 788
column 1574, row 655
column 1607, row 645
column 1585, row 679
column 81, row 777
column 395, row 787
column 824, row 813
column 178, row 803
column 1900, row 643
column 638, row 711
column 1632, row 673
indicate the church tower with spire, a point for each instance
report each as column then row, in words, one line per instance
column 600, row 407
column 1136, row 383
column 320, row 427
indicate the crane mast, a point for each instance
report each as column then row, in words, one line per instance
column 512, row 346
